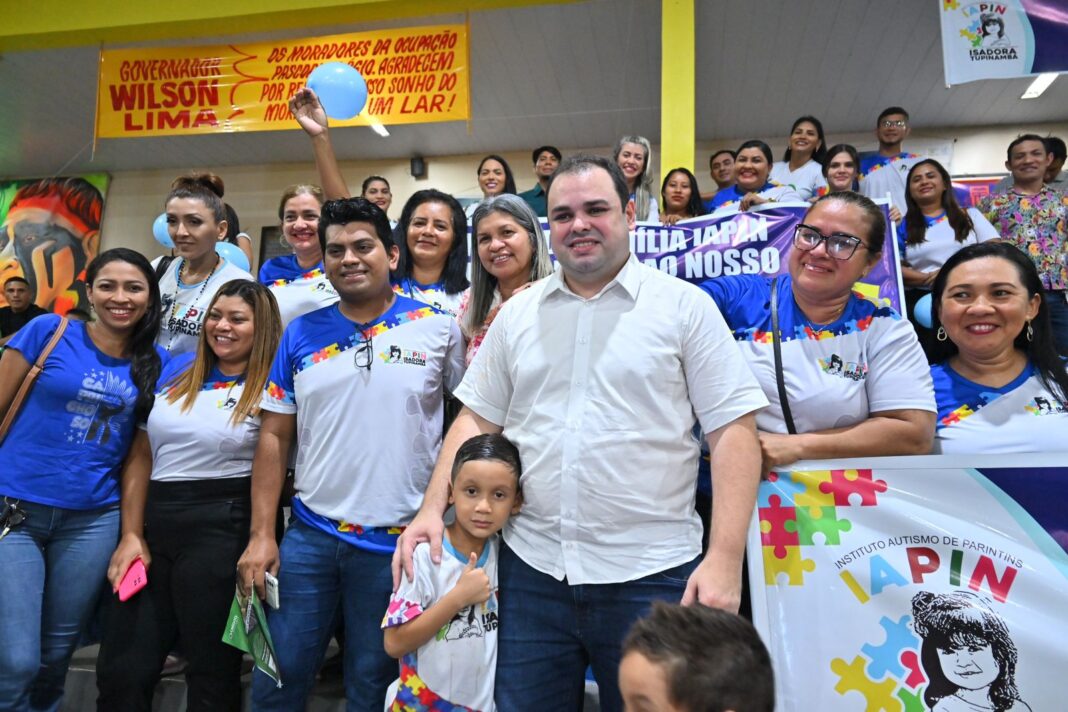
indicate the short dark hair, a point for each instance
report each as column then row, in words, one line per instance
column 536, row 154
column 16, row 278
column 713, row 660
column 716, row 153
column 758, row 144
column 584, row 163
column 890, row 111
column 1021, row 139
column 488, row 446
column 349, row 210
column 876, row 220
column 1055, row 145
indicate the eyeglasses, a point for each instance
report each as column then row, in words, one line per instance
column 895, row 124
column 840, row 245
column 364, row 353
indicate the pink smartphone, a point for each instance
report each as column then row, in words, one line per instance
column 135, row 578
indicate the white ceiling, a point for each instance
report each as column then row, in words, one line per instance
column 573, row 75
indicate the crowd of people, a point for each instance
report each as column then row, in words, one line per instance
column 370, row 385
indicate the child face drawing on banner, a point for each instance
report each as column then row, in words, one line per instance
column 966, row 652
column 50, row 233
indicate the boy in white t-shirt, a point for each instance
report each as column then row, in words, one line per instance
column 442, row 624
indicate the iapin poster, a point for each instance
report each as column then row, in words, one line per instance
column 913, row 584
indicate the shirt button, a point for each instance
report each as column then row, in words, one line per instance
column 582, row 339
column 578, row 383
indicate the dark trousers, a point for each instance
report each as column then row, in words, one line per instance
column 195, row 531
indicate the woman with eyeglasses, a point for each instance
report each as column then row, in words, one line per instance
column 855, row 380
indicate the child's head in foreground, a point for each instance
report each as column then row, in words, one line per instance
column 485, row 484
column 695, row 659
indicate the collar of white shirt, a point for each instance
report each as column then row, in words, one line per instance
column 629, row 277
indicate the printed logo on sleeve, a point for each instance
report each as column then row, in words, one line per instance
column 1041, row 405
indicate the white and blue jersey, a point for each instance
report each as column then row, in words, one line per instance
column 880, row 175
column 66, row 446
column 807, row 180
column 940, row 242
column 1021, row 416
column 367, row 438
column 730, row 197
column 836, row 375
column 432, row 294
column 296, row 289
column 200, row 443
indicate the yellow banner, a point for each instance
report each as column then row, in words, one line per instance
column 414, row 75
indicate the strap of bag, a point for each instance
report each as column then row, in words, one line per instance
column 162, row 265
column 31, row 376
column 775, row 339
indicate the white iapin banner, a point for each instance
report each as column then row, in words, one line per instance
column 999, row 40
column 915, row 583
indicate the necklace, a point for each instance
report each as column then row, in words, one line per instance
column 820, row 327
column 178, row 290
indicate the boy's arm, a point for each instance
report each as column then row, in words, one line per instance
column 473, row 587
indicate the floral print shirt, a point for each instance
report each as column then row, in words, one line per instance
column 1038, row 225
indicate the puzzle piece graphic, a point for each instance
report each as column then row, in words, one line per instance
column 879, row 695
column 813, row 496
column 772, row 529
column 886, row 658
column 911, row 661
column 844, row 483
column 818, row 520
column 912, row 702
column 779, row 483
column 791, row 564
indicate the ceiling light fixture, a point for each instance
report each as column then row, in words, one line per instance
column 1041, row 84
column 379, row 129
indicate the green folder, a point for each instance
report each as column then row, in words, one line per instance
column 246, row 630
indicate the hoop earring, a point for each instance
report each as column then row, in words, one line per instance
column 1030, row 331
column 941, row 334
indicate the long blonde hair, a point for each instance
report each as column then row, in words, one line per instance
column 266, row 335
column 643, row 186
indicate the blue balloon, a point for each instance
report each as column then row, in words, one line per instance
column 160, row 232
column 232, row 254
column 341, row 89
column 922, row 311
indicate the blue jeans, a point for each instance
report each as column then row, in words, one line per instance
column 1058, row 317
column 52, row 569
column 550, row 631
column 319, row 573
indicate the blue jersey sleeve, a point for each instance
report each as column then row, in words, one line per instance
column 742, row 299
column 31, row 339
column 279, row 393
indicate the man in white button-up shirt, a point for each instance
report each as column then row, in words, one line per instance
column 598, row 373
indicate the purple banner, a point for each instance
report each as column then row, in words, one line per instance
column 753, row 242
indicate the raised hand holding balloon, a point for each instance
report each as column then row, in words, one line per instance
column 341, row 89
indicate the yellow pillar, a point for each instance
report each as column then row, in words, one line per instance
column 677, row 94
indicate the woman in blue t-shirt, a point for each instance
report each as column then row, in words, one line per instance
column 855, row 380
column 1000, row 385
column 186, row 509
column 752, row 186
column 61, row 461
